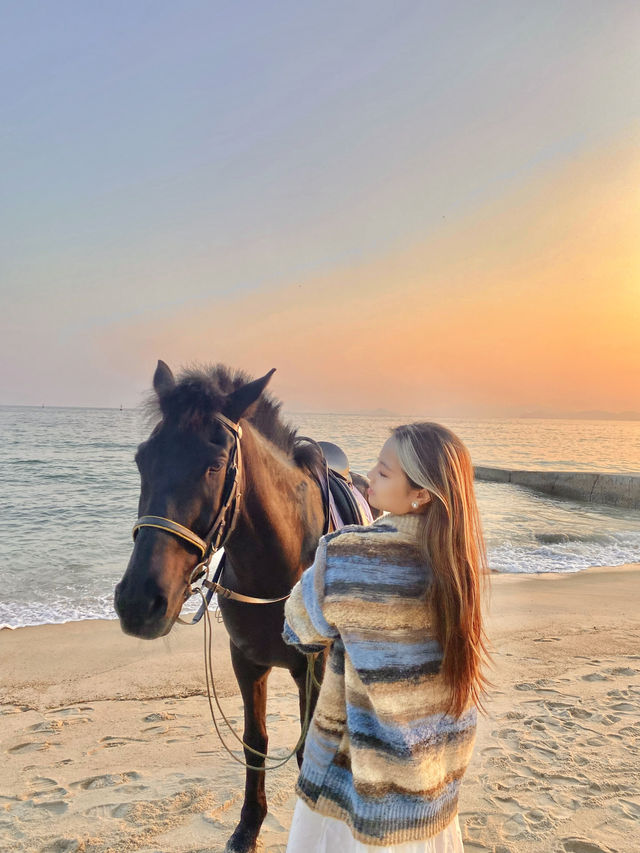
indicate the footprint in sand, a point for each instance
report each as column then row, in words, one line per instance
column 62, row 845
column 30, row 746
column 14, row 709
column 45, row 782
column 159, row 716
column 107, row 781
column 188, row 780
column 111, row 742
column 617, row 694
column 580, row 713
column 55, row 726
column 493, row 751
column 579, row 845
column 629, row 809
column 504, row 733
column 515, row 827
column 187, row 732
column 56, row 807
column 558, row 707
column 538, row 820
column 118, row 810
column 157, row 730
column 45, row 787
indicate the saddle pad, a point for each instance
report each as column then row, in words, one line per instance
column 347, row 505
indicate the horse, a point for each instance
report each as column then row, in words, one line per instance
column 192, row 479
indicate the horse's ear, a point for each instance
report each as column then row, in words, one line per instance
column 163, row 380
column 240, row 400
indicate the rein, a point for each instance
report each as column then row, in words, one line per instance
column 310, row 680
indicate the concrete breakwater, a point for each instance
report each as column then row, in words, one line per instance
column 613, row 489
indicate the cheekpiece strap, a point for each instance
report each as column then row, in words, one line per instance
column 232, row 425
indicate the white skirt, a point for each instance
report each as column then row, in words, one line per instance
column 314, row 833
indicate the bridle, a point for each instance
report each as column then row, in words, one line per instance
column 219, row 532
column 215, row 539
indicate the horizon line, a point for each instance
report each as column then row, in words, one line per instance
column 577, row 415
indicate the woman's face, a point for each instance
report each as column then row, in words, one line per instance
column 389, row 487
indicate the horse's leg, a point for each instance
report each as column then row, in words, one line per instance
column 252, row 680
column 300, row 678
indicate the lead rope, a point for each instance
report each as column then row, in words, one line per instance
column 310, row 680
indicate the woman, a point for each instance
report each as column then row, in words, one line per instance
column 398, row 603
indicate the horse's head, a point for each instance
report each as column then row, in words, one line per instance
column 183, row 470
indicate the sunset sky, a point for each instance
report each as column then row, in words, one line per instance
column 428, row 207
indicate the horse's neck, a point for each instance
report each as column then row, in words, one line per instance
column 280, row 519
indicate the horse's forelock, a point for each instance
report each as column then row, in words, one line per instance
column 200, row 393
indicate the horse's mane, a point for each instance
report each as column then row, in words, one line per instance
column 200, row 392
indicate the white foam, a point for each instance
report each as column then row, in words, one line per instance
column 578, row 552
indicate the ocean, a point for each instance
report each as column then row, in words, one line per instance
column 69, row 493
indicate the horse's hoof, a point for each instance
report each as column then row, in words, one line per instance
column 233, row 848
column 242, row 842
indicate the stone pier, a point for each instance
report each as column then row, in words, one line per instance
column 614, row 489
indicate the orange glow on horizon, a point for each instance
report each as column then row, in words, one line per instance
column 532, row 301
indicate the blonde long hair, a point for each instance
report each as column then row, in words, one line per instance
column 451, row 541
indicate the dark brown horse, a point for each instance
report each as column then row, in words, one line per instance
column 280, row 517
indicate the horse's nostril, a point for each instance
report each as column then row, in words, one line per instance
column 158, row 606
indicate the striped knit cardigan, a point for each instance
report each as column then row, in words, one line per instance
column 381, row 753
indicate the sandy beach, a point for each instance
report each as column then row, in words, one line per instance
column 107, row 744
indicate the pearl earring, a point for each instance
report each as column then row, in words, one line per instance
column 414, row 505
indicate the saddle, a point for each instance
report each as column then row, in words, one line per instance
column 346, row 504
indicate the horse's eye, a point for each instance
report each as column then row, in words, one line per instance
column 213, row 469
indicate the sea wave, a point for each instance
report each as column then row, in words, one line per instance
column 566, row 552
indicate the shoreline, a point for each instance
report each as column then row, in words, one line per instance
column 108, row 746
column 493, row 573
